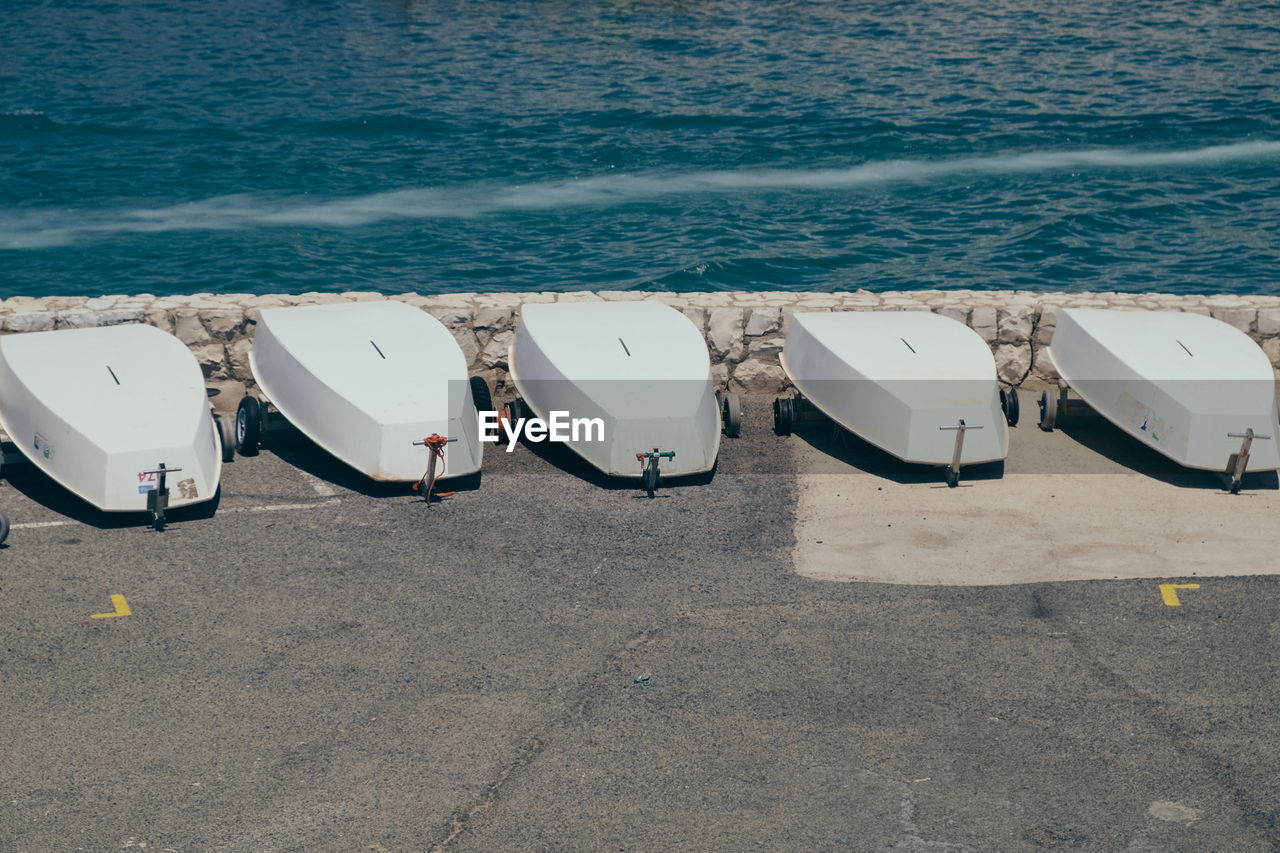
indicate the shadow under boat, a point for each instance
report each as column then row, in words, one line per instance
column 40, row 488
column 559, row 455
column 288, row 444
column 825, row 435
column 1092, row 431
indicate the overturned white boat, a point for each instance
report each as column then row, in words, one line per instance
column 641, row 369
column 119, row 416
column 1195, row 389
column 919, row 386
column 371, row 383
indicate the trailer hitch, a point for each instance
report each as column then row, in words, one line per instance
column 953, row 470
column 158, row 498
column 649, row 467
column 1239, row 460
column 435, row 446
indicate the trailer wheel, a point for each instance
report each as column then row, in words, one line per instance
column 1048, row 409
column 248, row 426
column 953, row 479
column 515, row 410
column 480, row 394
column 784, row 415
column 4, row 527
column 732, row 415
column 226, row 437
column 1009, row 404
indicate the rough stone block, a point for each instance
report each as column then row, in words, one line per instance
column 724, row 331
column 763, row 321
column 1242, row 318
column 188, row 328
column 983, row 321
column 159, row 318
column 452, row 318
column 225, row 324
column 959, row 313
column 83, row 318
column 1268, row 321
column 757, row 377
column 1272, row 349
column 494, row 354
column 212, row 359
column 468, row 344
column 30, row 321
column 1014, row 324
column 1013, row 362
column 697, row 316
column 238, row 359
column 764, row 349
column 494, row 319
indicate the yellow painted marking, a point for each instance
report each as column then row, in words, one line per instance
column 122, row 608
column 1169, row 592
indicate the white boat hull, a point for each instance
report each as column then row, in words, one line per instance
column 642, row 368
column 95, row 409
column 365, row 381
column 900, row 380
column 1180, row 383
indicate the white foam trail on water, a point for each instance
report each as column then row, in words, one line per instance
column 41, row 229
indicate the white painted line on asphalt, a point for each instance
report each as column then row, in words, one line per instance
column 280, row 507
column 27, row 525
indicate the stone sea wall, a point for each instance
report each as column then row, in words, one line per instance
column 744, row 331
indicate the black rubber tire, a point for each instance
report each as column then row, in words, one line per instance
column 732, row 417
column 784, row 415
column 1009, row 404
column 953, row 479
column 157, row 521
column 1234, row 488
column 1048, row 409
column 516, row 409
column 480, row 394
column 226, row 437
column 248, row 426
column 4, row 527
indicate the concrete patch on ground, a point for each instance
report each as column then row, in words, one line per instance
column 1028, row 528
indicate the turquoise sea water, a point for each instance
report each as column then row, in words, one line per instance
column 173, row 146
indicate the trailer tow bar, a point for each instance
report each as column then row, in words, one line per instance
column 158, row 498
column 1238, row 461
column 649, row 467
column 953, row 470
column 435, row 446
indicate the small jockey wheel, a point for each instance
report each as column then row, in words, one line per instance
column 649, row 473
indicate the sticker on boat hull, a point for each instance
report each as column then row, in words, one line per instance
column 43, row 446
column 187, row 489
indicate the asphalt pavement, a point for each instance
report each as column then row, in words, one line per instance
column 550, row 661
